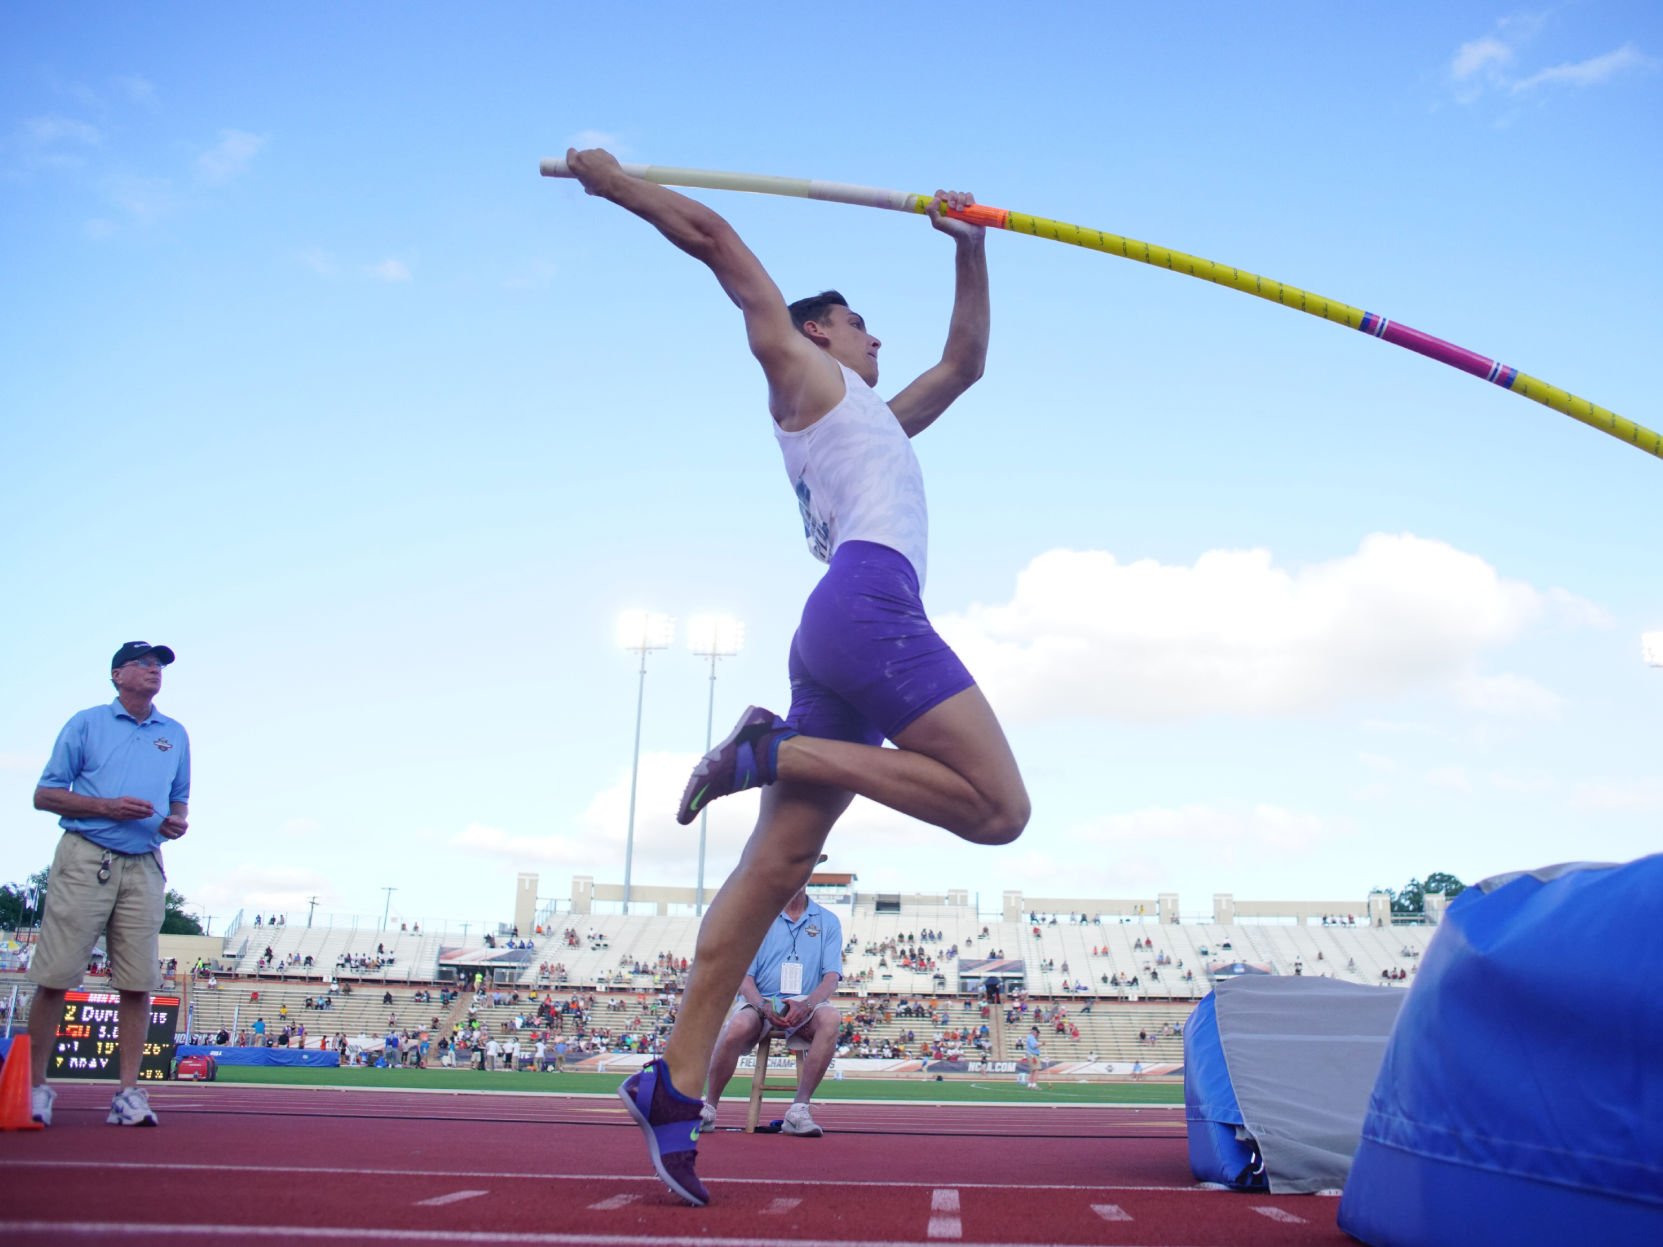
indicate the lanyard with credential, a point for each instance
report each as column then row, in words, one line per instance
column 791, row 966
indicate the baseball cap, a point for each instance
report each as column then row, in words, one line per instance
column 135, row 650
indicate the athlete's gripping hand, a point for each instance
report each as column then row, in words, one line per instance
column 958, row 201
column 596, row 168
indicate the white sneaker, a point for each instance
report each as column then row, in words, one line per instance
column 40, row 1103
column 131, row 1107
column 798, row 1122
column 707, row 1117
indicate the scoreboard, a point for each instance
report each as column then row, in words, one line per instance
column 85, row 1045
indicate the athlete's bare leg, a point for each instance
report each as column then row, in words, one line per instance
column 953, row 768
column 742, row 1031
column 782, row 852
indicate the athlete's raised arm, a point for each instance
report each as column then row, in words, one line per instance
column 799, row 378
column 965, row 354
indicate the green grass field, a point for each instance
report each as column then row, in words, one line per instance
column 988, row 1090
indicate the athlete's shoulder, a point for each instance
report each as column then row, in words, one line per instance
column 810, row 392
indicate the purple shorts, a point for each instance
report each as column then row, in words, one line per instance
column 865, row 661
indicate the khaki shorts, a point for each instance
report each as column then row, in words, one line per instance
column 127, row 911
column 795, row 1040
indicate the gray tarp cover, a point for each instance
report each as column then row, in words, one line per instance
column 1303, row 1054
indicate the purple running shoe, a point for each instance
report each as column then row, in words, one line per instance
column 671, row 1123
column 746, row 759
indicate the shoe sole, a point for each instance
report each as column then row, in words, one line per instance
column 686, row 812
column 652, row 1148
column 813, row 1132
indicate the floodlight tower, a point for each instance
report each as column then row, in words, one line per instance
column 640, row 632
column 714, row 637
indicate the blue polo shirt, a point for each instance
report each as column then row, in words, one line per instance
column 106, row 752
column 815, row 939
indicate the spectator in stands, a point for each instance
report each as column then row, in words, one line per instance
column 788, row 989
column 112, row 772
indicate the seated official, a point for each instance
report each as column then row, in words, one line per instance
column 788, row 990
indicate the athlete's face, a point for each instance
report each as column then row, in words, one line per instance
column 849, row 343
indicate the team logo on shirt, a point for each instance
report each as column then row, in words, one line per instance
column 812, row 931
column 163, row 743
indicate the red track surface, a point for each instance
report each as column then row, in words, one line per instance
column 240, row 1164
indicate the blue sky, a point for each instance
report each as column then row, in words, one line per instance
column 305, row 372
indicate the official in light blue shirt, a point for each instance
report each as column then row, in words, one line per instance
column 814, row 941
column 112, row 752
column 105, row 752
column 119, row 780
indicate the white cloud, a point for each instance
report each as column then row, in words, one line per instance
column 1633, row 794
column 266, row 889
column 229, row 158
column 318, row 260
column 1490, row 63
column 1651, row 648
column 390, row 270
column 142, row 198
column 664, row 851
column 50, row 131
column 137, row 90
column 1592, row 72
column 1529, row 783
column 595, row 138
column 1449, row 779
column 1084, row 634
column 1474, row 56
column 1508, row 696
column 1144, row 850
column 533, row 275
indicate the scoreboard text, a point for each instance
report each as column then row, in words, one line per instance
column 87, row 1033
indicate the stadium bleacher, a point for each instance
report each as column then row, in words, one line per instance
column 1119, row 978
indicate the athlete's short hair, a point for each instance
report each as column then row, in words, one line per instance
column 815, row 307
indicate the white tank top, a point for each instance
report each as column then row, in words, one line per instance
column 857, row 478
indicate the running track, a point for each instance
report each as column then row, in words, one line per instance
column 249, row 1164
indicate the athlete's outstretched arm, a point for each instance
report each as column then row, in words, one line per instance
column 791, row 363
column 965, row 354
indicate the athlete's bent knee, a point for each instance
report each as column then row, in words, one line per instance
column 1005, row 821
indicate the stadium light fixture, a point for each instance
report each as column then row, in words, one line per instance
column 714, row 637
column 640, row 632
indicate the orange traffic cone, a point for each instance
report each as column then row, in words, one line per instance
column 15, row 1113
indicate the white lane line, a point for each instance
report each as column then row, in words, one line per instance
column 1111, row 1212
column 613, row 1203
column 1276, row 1214
column 944, row 1215
column 100, row 1231
column 780, row 1206
column 504, row 1175
column 455, row 1197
